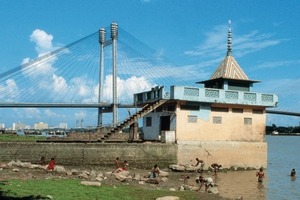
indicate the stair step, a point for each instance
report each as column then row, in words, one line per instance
column 145, row 110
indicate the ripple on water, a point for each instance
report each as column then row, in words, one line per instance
column 283, row 155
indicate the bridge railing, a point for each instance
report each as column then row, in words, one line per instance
column 156, row 93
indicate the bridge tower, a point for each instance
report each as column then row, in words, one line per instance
column 104, row 43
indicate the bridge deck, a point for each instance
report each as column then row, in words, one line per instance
column 63, row 105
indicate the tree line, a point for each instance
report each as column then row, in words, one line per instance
column 282, row 130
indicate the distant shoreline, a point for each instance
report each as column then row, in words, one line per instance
column 283, row 134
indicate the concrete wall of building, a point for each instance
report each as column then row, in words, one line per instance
column 138, row 155
column 232, row 127
column 237, row 155
column 153, row 132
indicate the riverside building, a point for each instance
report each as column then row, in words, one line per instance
column 221, row 121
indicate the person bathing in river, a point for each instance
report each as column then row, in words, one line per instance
column 293, row 172
column 215, row 167
column 208, row 182
column 201, row 163
column 260, row 174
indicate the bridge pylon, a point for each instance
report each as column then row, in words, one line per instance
column 103, row 43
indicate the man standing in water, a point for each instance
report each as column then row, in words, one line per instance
column 260, row 174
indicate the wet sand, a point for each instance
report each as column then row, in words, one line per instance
column 234, row 184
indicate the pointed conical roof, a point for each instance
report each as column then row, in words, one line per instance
column 229, row 69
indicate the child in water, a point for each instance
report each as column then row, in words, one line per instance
column 293, row 172
column 260, row 174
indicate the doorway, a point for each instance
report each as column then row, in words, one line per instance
column 165, row 123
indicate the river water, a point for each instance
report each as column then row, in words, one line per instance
column 283, row 155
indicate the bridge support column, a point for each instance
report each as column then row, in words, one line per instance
column 114, row 36
column 103, row 43
column 102, row 38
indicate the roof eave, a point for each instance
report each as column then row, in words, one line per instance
column 235, row 80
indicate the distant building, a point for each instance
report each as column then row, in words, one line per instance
column 40, row 126
column 2, row 126
column 223, row 121
column 18, row 126
column 27, row 127
column 63, row 125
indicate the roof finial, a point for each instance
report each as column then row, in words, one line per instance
column 229, row 39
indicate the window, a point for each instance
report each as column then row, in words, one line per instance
column 189, row 107
column 257, row 111
column 248, row 121
column 217, row 120
column 192, row 119
column 148, row 95
column 139, row 97
column 219, row 109
column 148, row 121
column 237, row 110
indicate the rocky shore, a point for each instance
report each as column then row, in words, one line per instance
column 97, row 175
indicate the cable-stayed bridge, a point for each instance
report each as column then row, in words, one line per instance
column 83, row 74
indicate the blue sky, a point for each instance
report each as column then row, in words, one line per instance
column 191, row 33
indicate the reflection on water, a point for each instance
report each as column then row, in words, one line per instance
column 283, row 156
column 293, row 178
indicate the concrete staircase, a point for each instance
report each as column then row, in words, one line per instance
column 133, row 118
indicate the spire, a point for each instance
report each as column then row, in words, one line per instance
column 229, row 69
column 229, row 39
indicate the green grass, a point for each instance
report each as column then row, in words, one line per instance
column 16, row 138
column 66, row 189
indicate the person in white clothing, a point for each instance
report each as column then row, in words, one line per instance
column 208, row 182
